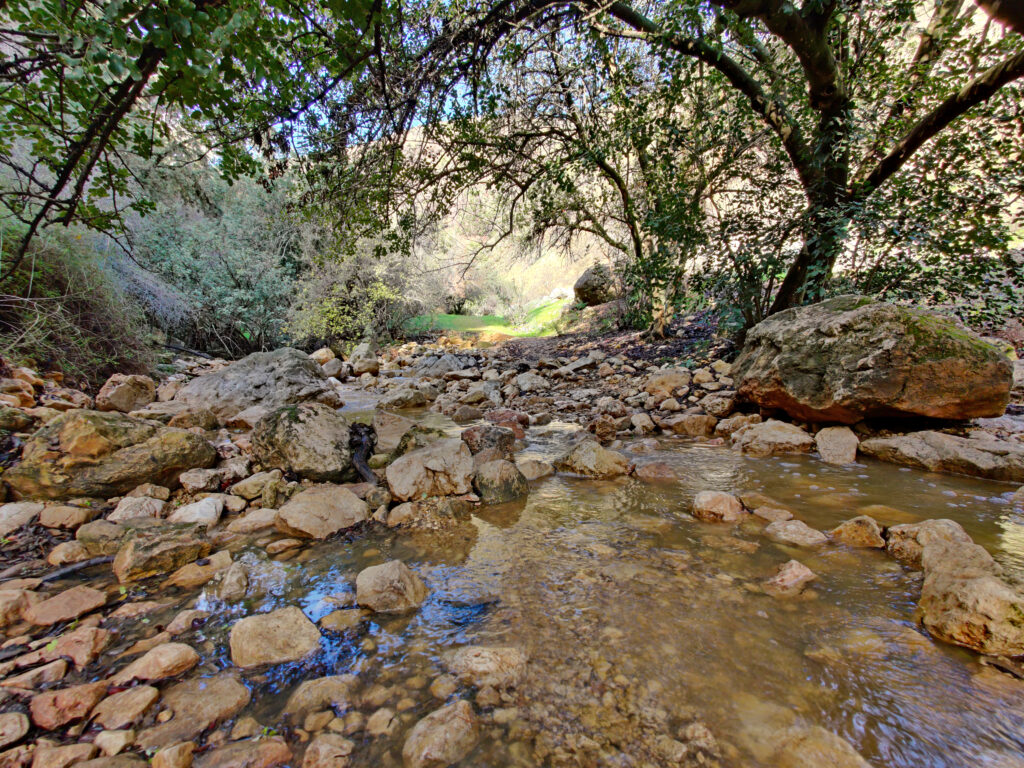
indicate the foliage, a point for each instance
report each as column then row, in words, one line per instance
column 84, row 86
column 66, row 313
column 225, row 265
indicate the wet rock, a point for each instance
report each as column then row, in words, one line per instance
column 320, row 512
column 69, row 604
column 814, row 747
column 38, row 677
column 81, row 645
column 591, row 459
column 206, row 512
column 382, row 722
column 656, row 472
column 390, row 588
column 938, row 452
column 90, row 453
column 500, row 481
column 771, row 438
column 13, row 727
column 850, row 358
column 965, row 600
column 255, row 520
column 17, row 514
column 194, row 575
column 498, row 667
column 795, row 532
column 197, row 705
column 160, row 663
column 257, row 753
column 772, row 514
column 175, row 756
column 124, row 709
column 405, row 396
column 268, row 380
column 232, row 583
column 442, row 738
column 691, row 425
column 54, row 709
column 13, row 603
column 159, row 550
column 390, row 427
column 125, row 393
column 727, row 427
column 595, row 286
column 328, row 750
column 486, row 436
column 837, row 445
column 273, row 638
column 717, row 507
column 114, row 742
column 63, row 756
column 907, row 542
column 791, row 577
column 335, row 692
column 534, row 469
column 442, row 469
column 862, row 531
column 310, row 439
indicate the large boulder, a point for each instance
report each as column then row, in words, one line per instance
column 364, row 359
column 309, row 439
column 320, row 512
column 92, row 453
column 442, row 469
column 938, row 452
column 392, row 587
column 595, row 286
column 270, row 380
column 500, row 481
column 851, row 357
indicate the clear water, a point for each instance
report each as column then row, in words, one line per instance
column 639, row 621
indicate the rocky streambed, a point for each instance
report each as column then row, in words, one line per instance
column 565, row 561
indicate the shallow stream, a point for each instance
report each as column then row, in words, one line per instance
column 641, row 623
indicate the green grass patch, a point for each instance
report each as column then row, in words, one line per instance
column 540, row 321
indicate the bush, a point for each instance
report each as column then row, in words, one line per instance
column 62, row 310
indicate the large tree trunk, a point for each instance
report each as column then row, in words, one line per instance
column 808, row 277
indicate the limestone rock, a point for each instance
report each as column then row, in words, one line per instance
column 328, row 750
column 17, row 514
column 320, row 512
column 663, row 384
column 126, row 393
column 309, row 439
column 442, row 738
column 486, row 436
column 591, row 459
column 390, row 427
column 206, row 512
column 444, row 468
column 197, row 704
column 795, row 532
column 717, row 507
column 269, row 380
column 133, row 507
column 390, row 588
column 534, row 469
column 125, row 708
column 789, row 580
column 333, row 692
column 851, row 358
column 158, row 550
column 363, row 359
column 53, row 709
column 595, row 286
column 907, row 542
column 814, row 747
column 164, row 661
column 91, row 453
column 861, row 531
column 13, row 727
column 497, row 482
column 253, row 753
column 771, row 438
column 837, row 445
column 69, row 604
column 938, row 452
column 498, row 667
column 273, row 638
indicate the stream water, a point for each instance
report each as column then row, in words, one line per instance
column 641, row 623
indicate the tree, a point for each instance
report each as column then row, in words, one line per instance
column 856, row 95
column 85, row 85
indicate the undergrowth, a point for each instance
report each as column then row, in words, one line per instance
column 62, row 311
